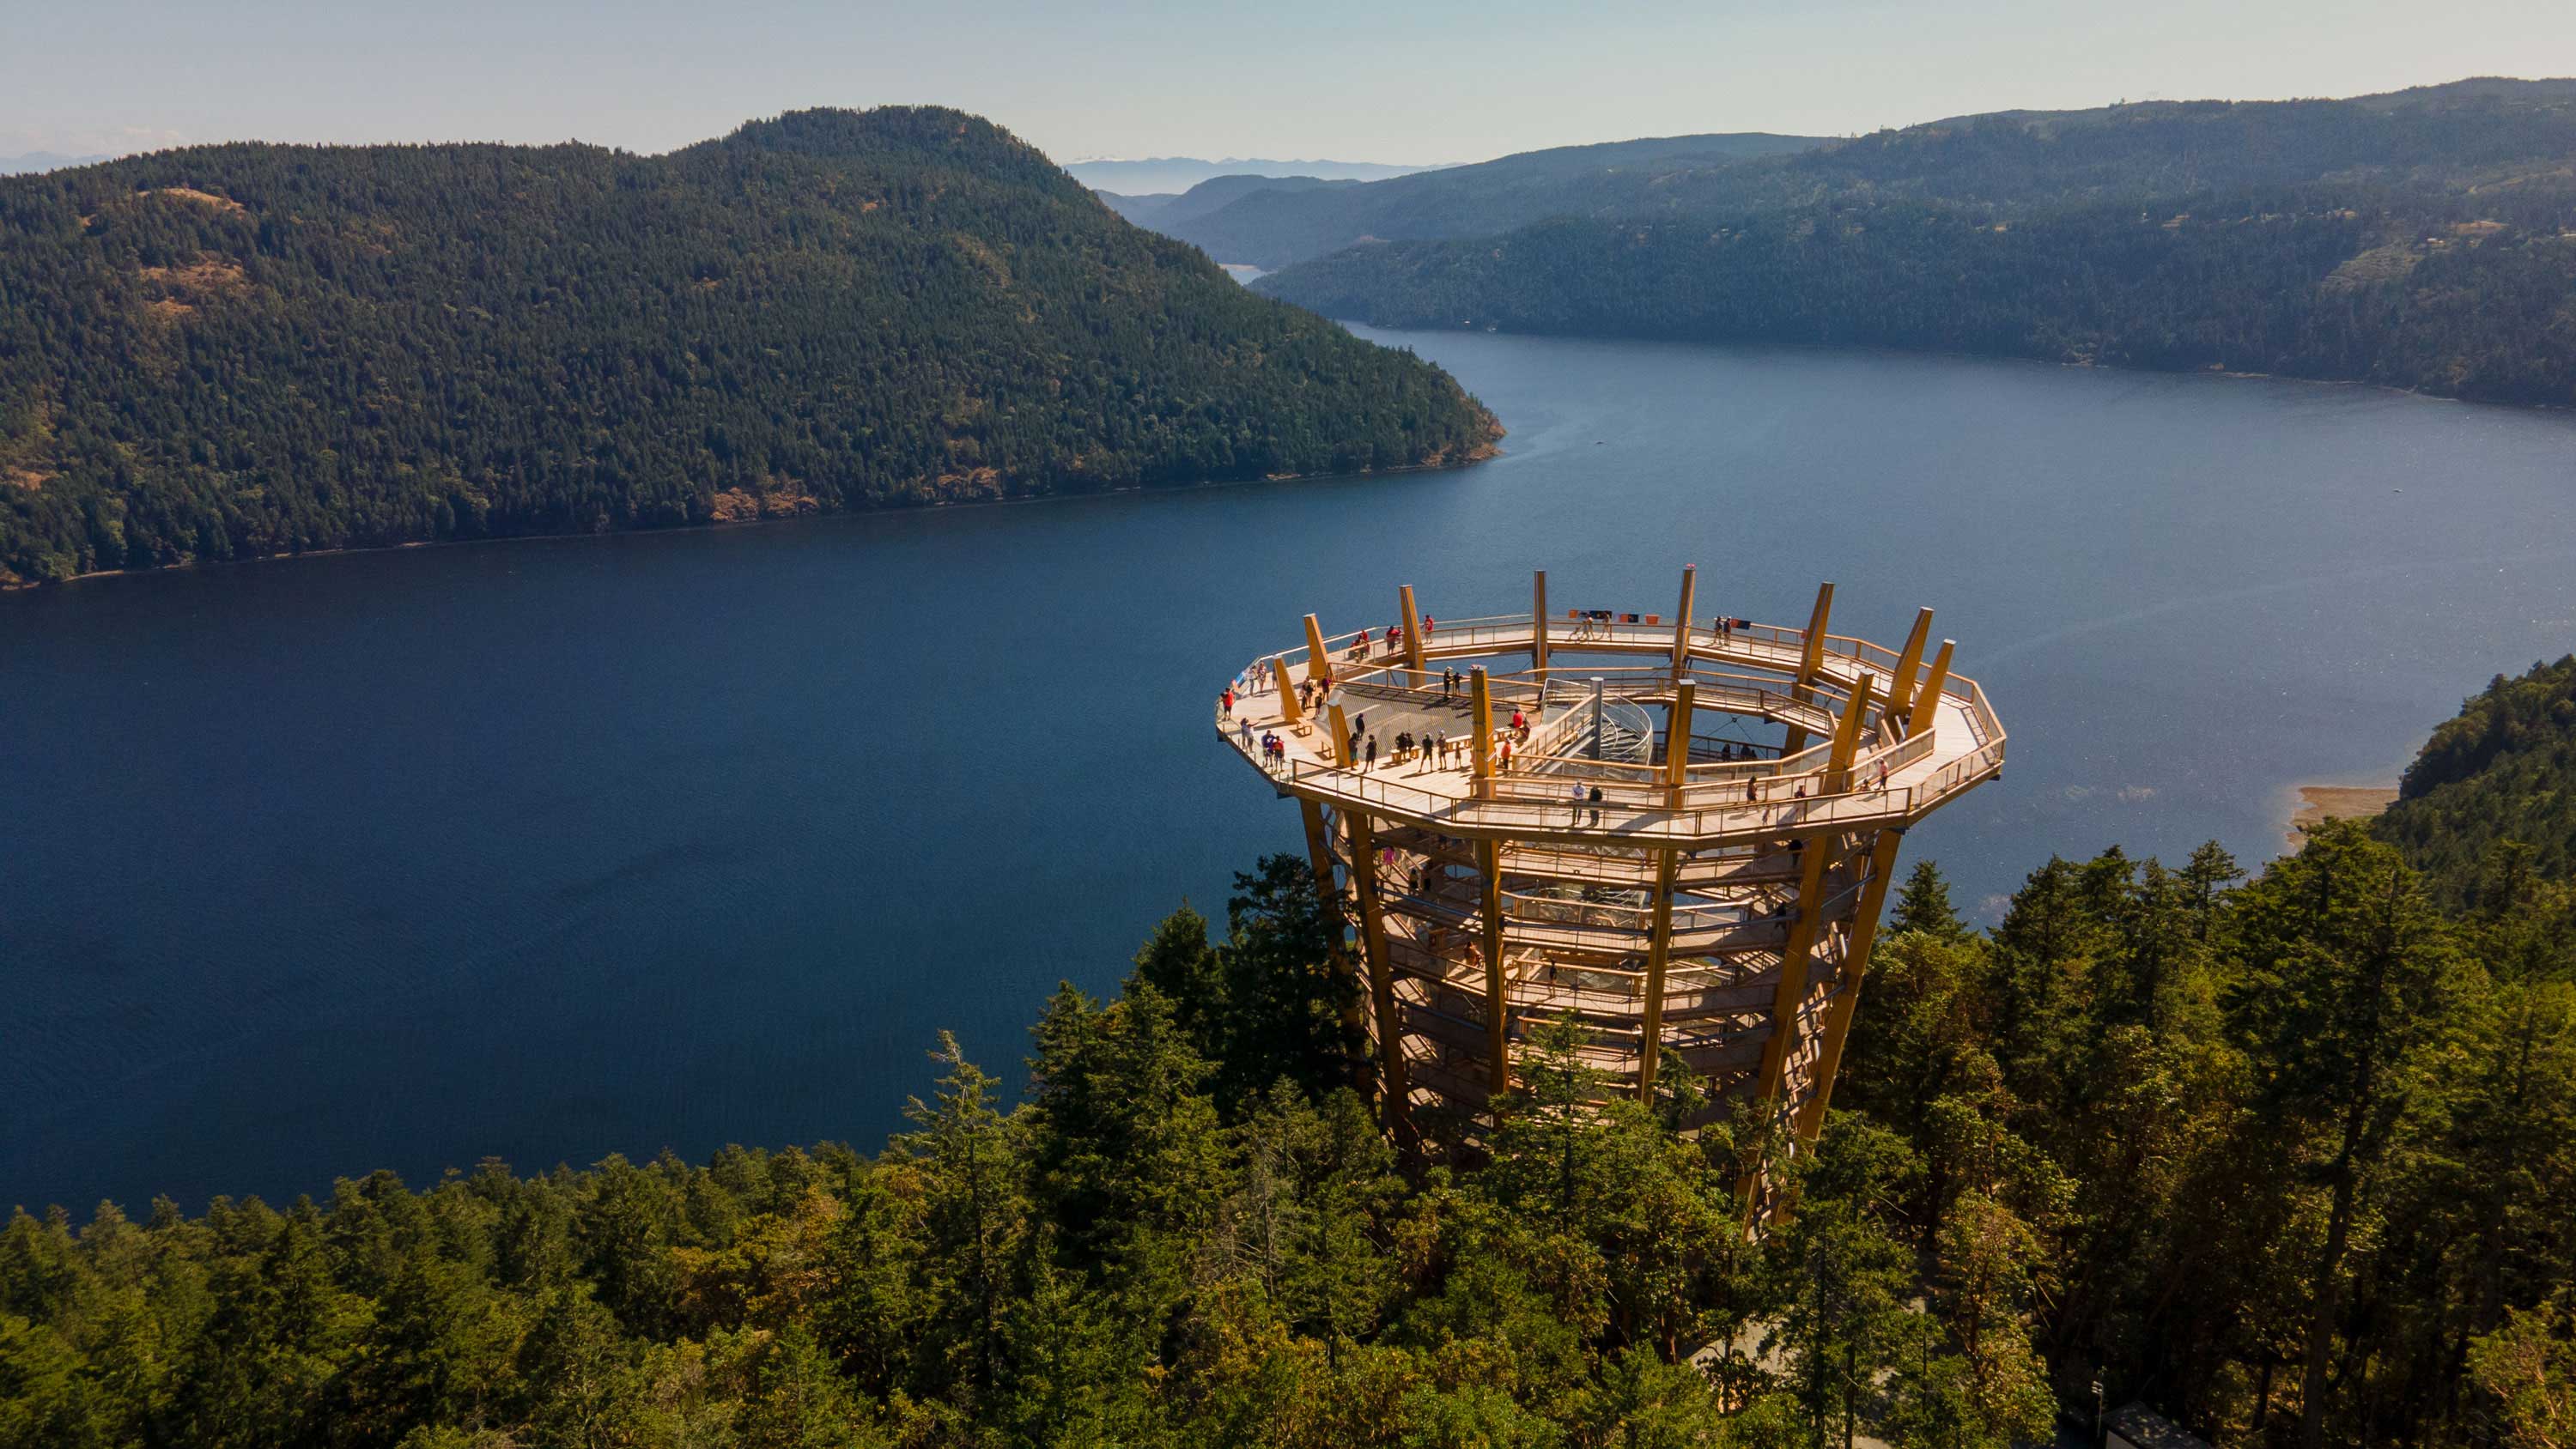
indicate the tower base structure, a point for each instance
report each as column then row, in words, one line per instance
column 1677, row 832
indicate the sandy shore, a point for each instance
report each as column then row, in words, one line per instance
column 2320, row 803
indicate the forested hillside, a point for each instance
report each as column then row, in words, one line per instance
column 2292, row 1159
column 234, row 351
column 2492, row 798
column 2424, row 240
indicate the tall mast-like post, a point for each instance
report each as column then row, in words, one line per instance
column 1682, row 623
column 1410, row 619
column 1900, row 688
column 1811, row 657
column 1481, row 706
column 1926, row 711
column 1538, row 626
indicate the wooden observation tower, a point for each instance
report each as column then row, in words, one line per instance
column 1685, row 842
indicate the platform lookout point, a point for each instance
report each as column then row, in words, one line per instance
column 1679, row 829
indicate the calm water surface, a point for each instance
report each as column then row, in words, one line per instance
column 550, row 850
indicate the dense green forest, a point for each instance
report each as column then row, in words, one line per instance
column 2492, row 799
column 2423, row 240
column 2292, row 1159
column 234, row 351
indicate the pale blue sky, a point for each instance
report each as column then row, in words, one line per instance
column 1379, row 81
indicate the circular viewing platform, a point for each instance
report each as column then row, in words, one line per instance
column 1677, row 829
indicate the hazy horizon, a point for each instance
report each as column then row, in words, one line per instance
column 1439, row 83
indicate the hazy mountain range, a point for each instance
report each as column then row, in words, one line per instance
column 41, row 161
column 1171, row 174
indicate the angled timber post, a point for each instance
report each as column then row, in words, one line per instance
column 1498, row 1041
column 1926, row 710
column 1804, row 932
column 1319, row 666
column 1855, row 965
column 1341, row 742
column 1810, row 658
column 1290, row 711
column 1538, row 627
column 1900, row 689
column 1480, row 701
column 1411, row 618
column 1847, row 736
column 1682, row 623
column 1381, row 970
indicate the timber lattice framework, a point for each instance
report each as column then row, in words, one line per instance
column 1701, row 897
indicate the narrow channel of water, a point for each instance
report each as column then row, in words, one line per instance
column 547, row 850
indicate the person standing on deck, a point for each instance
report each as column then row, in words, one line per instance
column 1372, row 753
column 1596, row 804
column 1574, row 792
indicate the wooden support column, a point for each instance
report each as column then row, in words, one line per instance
column 1900, row 690
column 1855, row 965
column 1677, row 733
column 1659, row 950
column 1319, row 666
column 1411, row 618
column 1480, row 704
column 1381, row 970
column 1793, row 972
column 1659, row 943
column 1290, row 711
column 1498, row 1040
column 1810, row 658
column 1682, row 623
column 1808, row 929
column 1340, row 752
column 1925, row 712
column 1319, row 849
column 1538, row 626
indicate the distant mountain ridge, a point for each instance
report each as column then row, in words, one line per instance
column 2422, row 239
column 1171, row 175
column 237, row 351
column 1162, row 212
column 31, row 162
column 1276, row 226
